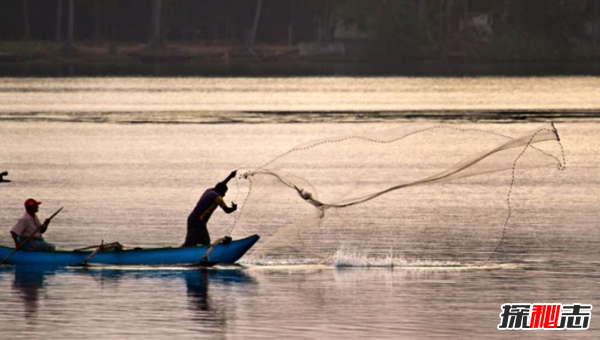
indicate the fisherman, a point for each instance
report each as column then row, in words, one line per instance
column 197, row 233
column 29, row 225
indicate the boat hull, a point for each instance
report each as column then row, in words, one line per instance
column 223, row 253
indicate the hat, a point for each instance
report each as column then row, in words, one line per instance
column 31, row 202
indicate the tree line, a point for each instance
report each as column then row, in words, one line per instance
column 505, row 29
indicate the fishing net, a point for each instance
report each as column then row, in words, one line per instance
column 439, row 192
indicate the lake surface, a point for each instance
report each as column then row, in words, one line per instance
column 129, row 157
column 273, row 100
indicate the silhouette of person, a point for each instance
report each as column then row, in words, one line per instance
column 29, row 225
column 2, row 174
column 197, row 232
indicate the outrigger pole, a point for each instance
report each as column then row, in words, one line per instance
column 100, row 248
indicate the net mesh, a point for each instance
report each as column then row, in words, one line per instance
column 437, row 192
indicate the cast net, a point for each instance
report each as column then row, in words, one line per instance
column 441, row 192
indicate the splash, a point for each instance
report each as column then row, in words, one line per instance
column 344, row 258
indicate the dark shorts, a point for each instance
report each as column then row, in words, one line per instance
column 197, row 234
column 36, row 244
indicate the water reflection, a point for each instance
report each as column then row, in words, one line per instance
column 27, row 284
column 197, row 290
column 211, row 293
column 106, row 278
column 210, row 297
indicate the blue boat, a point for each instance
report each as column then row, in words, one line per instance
column 222, row 253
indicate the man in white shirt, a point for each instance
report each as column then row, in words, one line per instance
column 29, row 225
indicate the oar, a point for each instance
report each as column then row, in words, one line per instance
column 56, row 213
column 29, row 238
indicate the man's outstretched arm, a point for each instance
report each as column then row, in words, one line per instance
column 231, row 175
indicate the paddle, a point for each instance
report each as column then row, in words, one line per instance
column 29, row 238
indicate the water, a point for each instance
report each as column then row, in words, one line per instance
column 70, row 142
column 270, row 100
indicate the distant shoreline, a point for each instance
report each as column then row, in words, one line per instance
column 45, row 59
column 305, row 117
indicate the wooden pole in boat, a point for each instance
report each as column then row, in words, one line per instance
column 101, row 247
column 29, row 238
column 205, row 260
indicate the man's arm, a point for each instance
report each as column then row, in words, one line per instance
column 15, row 238
column 231, row 175
column 45, row 226
column 224, row 206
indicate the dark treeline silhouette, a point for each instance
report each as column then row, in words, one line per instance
column 486, row 29
column 187, row 20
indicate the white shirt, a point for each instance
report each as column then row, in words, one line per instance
column 27, row 226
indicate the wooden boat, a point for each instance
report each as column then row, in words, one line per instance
column 222, row 253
